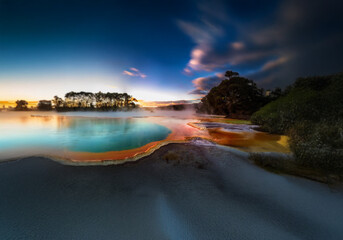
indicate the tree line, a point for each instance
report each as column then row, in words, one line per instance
column 74, row 101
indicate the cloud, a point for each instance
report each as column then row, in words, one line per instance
column 275, row 43
column 201, row 33
column 214, row 50
column 204, row 84
column 238, row 45
column 134, row 72
column 204, row 33
column 274, row 63
column 195, row 63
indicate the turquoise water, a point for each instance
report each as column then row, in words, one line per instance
column 79, row 134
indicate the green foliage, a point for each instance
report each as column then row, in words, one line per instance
column 318, row 145
column 280, row 163
column 280, row 115
column 311, row 113
column 235, row 97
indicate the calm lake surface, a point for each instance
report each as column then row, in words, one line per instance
column 77, row 134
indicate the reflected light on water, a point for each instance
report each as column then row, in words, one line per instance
column 96, row 139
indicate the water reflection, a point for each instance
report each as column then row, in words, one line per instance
column 86, row 139
column 77, row 133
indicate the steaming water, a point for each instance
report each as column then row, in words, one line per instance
column 77, row 133
column 229, row 127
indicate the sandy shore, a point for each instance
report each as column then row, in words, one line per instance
column 181, row 191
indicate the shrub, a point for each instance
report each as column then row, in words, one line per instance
column 311, row 113
column 318, row 145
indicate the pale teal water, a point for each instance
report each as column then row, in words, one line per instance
column 79, row 134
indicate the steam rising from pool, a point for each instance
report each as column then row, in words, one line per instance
column 116, row 137
column 77, row 134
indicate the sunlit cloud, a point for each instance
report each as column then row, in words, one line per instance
column 274, row 63
column 203, row 84
column 134, row 72
column 195, row 62
column 260, row 47
column 238, row 45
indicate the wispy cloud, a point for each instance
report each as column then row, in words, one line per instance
column 274, row 38
column 203, row 84
column 274, row 63
column 134, row 72
column 238, row 45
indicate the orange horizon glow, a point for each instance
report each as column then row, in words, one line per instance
column 11, row 103
column 142, row 103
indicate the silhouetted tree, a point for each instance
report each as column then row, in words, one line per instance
column 230, row 74
column 89, row 101
column 44, row 105
column 58, row 102
column 235, row 97
column 22, row 105
column 276, row 93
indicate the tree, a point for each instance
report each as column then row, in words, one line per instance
column 235, row 97
column 99, row 99
column 89, row 101
column 22, row 105
column 44, row 105
column 58, row 102
column 230, row 74
column 276, row 93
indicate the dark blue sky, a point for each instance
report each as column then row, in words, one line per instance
column 162, row 50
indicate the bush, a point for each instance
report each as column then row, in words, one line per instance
column 318, row 145
column 278, row 116
column 311, row 113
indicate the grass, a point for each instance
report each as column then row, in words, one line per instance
column 286, row 164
